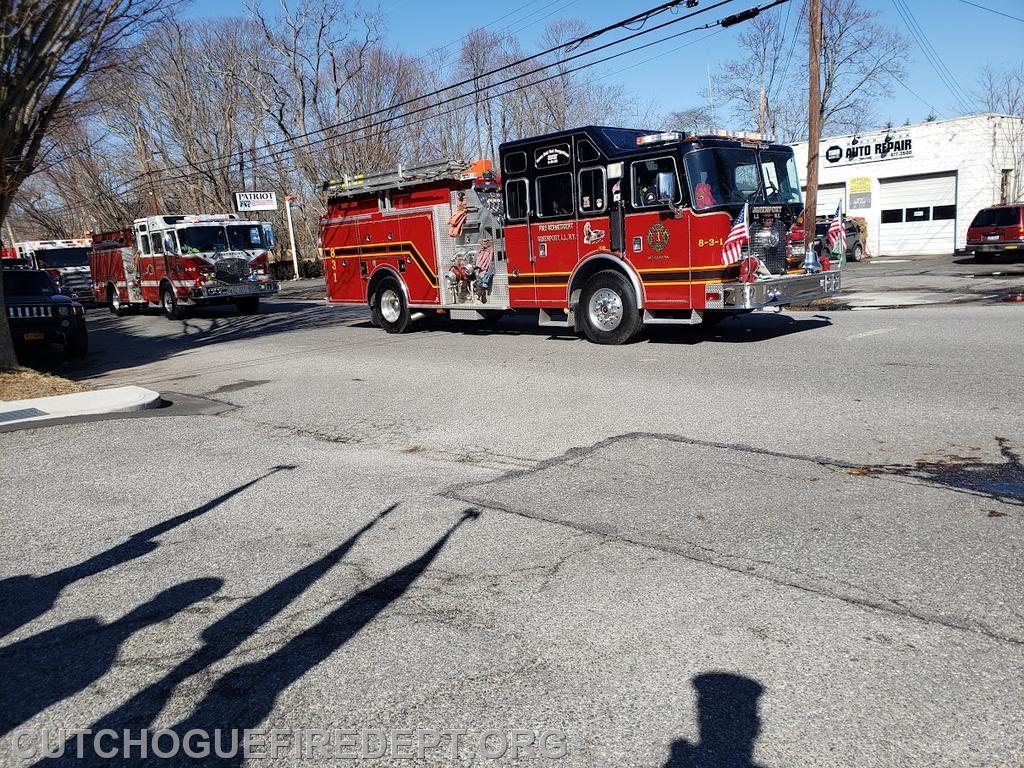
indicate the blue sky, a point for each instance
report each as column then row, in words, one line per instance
column 965, row 37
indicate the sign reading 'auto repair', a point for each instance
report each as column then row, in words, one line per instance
column 867, row 149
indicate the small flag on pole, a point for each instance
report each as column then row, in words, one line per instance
column 837, row 234
column 739, row 235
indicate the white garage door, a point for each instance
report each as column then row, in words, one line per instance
column 829, row 196
column 918, row 215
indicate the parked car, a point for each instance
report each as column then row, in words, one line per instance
column 40, row 315
column 854, row 245
column 996, row 230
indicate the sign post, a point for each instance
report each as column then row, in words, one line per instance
column 291, row 233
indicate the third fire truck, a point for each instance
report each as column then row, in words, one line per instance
column 599, row 229
column 176, row 262
column 67, row 261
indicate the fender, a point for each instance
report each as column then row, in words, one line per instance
column 614, row 260
column 390, row 270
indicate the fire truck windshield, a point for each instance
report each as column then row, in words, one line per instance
column 203, row 239
column 726, row 175
column 57, row 258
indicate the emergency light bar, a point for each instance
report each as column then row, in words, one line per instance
column 657, row 138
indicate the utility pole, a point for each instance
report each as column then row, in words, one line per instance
column 291, row 233
column 813, row 123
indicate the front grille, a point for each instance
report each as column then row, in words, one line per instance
column 769, row 245
column 32, row 310
column 231, row 270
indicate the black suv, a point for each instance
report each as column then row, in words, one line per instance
column 39, row 314
column 854, row 246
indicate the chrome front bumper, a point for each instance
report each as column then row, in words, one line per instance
column 233, row 291
column 778, row 291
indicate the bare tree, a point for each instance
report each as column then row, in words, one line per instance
column 691, row 120
column 48, row 49
column 766, row 86
column 1000, row 90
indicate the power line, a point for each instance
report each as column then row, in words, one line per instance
column 296, row 143
column 275, row 155
column 992, row 10
column 934, row 59
column 569, row 45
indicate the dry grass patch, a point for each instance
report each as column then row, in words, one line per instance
column 24, row 383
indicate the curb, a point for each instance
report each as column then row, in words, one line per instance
column 116, row 400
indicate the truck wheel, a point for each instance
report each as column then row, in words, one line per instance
column 858, row 253
column 250, row 305
column 114, row 302
column 76, row 343
column 392, row 307
column 169, row 303
column 608, row 310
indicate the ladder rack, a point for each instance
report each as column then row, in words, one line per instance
column 400, row 178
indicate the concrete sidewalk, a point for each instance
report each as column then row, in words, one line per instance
column 115, row 400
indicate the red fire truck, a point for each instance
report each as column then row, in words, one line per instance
column 176, row 262
column 599, row 229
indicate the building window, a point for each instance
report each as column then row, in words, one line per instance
column 517, row 200
column 918, row 214
column 943, row 212
column 554, row 195
column 892, row 216
column 592, row 186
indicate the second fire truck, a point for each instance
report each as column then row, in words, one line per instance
column 599, row 229
column 176, row 262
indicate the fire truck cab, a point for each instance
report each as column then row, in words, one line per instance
column 67, row 262
column 598, row 229
column 176, row 262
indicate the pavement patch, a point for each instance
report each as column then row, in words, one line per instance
column 887, row 537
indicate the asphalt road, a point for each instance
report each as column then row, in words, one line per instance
column 794, row 540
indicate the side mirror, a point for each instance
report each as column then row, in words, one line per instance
column 170, row 246
column 667, row 191
column 268, row 235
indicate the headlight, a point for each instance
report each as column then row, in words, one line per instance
column 63, row 311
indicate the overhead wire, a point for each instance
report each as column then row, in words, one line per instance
column 277, row 154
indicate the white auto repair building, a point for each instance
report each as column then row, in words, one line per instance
column 919, row 186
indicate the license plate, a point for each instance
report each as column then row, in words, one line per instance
column 991, row 237
column 34, row 336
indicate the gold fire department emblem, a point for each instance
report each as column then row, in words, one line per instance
column 657, row 237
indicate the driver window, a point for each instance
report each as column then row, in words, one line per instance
column 645, row 181
column 144, row 244
column 158, row 241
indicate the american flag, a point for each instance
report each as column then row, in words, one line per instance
column 739, row 235
column 837, row 232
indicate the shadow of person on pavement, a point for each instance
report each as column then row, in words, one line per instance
column 727, row 713
column 49, row 667
column 225, row 635
column 26, row 598
column 245, row 696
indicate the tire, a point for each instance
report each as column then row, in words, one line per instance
column 984, row 257
column 169, row 304
column 607, row 310
column 858, row 253
column 250, row 305
column 76, row 344
column 392, row 307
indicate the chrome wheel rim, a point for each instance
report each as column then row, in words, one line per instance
column 168, row 303
column 115, row 300
column 390, row 305
column 605, row 309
